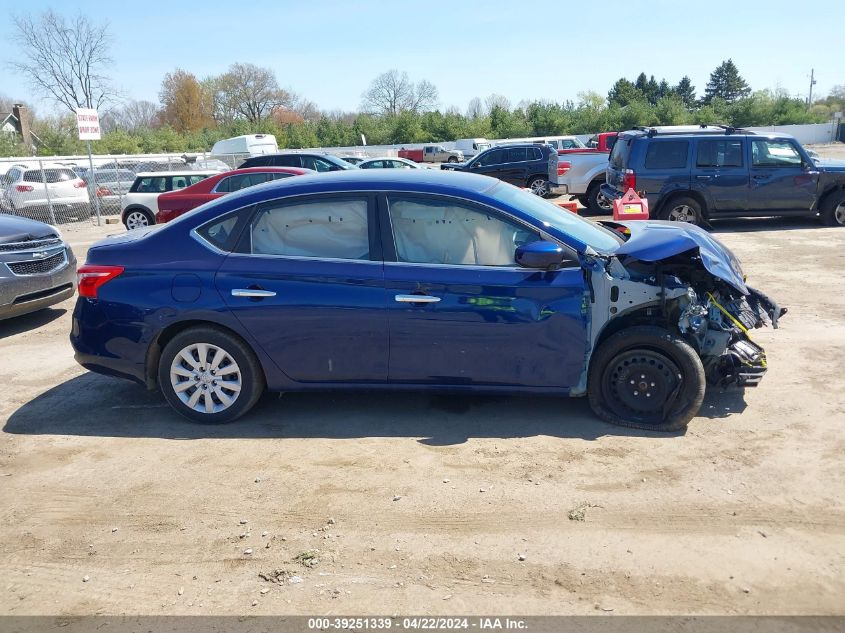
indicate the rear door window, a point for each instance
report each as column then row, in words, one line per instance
column 722, row 153
column 666, row 154
column 517, row 155
column 325, row 229
column 288, row 160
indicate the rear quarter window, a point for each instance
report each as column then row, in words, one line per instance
column 50, row 175
column 666, row 154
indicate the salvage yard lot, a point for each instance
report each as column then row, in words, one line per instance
column 409, row 503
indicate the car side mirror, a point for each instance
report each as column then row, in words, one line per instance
column 475, row 166
column 543, row 255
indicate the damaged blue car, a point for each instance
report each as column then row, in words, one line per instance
column 418, row 279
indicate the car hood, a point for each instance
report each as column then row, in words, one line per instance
column 829, row 164
column 654, row 240
column 15, row 229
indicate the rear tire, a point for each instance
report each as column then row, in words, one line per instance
column 683, row 209
column 137, row 219
column 646, row 377
column 539, row 186
column 597, row 202
column 209, row 375
column 832, row 211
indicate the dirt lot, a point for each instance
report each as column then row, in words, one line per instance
column 110, row 503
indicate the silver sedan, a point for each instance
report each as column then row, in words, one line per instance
column 388, row 162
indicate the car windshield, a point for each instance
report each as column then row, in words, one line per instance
column 600, row 239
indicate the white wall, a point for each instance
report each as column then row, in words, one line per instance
column 806, row 134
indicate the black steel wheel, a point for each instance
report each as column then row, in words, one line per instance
column 646, row 377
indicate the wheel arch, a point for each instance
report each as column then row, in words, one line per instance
column 828, row 193
column 136, row 207
column 684, row 193
column 168, row 333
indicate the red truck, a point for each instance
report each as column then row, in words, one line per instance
column 600, row 143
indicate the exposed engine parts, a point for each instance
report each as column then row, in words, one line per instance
column 681, row 294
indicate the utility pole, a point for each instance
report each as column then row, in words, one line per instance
column 812, row 83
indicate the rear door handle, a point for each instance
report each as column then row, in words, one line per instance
column 252, row 292
column 416, row 299
column 704, row 177
column 760, row 177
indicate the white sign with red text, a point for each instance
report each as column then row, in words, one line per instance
column 88, row 123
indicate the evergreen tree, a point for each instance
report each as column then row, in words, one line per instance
column 650, row 91
column 726, row 83
column 663, row 90
column 686, row 91
column 623, row 93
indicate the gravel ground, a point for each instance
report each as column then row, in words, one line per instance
column 383, row 504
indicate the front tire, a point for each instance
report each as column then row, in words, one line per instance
column 452, row 159
column 209, row 375
column 647, row 378
column 138, row 219
column 832, row 211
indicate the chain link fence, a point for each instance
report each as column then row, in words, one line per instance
column 62, row 190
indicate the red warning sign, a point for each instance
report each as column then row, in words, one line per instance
column 630, row 207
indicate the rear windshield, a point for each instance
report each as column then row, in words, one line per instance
column 621, row 150
column 50, row 175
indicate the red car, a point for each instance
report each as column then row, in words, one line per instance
column 174, row 203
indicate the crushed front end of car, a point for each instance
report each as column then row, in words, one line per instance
column 679, row 277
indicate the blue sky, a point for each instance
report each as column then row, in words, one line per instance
column 328, row 51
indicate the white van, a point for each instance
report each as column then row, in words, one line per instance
column 472, row 146
column 233, row 151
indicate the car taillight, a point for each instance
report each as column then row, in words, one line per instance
column 91, row 277
column 563, row 166
column 24, row 188
column 104, row 191
column 79, row 184
column 629, row 180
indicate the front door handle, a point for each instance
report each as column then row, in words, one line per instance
column 704, row 177
column 252, row 293
column 416, row 299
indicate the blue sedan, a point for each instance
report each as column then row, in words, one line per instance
column 417, row 279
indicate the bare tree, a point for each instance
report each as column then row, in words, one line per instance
column 65, row 60
column 392, row 92
column 497, row 100
column 475, row 109
column 136, row 115
column 250, row 91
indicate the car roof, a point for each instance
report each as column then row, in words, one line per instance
column 360, row 180
column 264, row 170
column 183, row 172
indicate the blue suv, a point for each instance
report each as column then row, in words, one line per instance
column 699, row 173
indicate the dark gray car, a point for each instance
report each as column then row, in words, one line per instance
column 37, row 267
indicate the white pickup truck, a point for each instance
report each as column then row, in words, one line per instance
column 584, row 178
column 582, row 172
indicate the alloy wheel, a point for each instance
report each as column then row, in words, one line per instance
column 839, row 213
column 539, row 187
column 683, row 213
column 205, row 378
column 137, row 220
